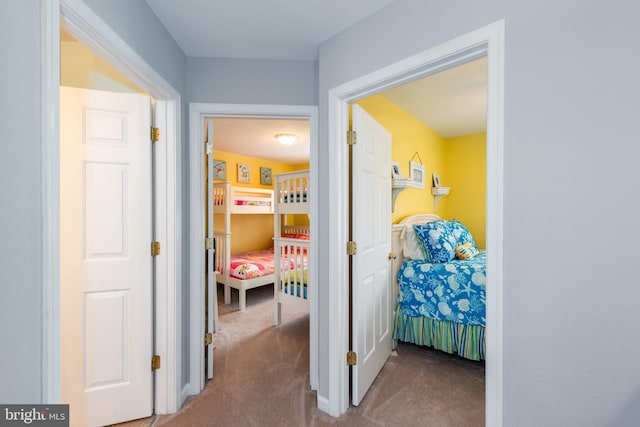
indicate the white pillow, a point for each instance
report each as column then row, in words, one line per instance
column 411, row 247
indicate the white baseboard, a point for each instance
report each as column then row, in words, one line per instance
column 323, row 404
column 184, row 394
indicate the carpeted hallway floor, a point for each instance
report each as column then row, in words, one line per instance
column 261, row 378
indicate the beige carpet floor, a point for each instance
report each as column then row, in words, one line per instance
column 261, row 378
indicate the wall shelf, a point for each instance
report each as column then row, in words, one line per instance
column 397, row 186
column 438, row 193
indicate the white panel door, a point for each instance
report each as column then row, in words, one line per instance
column 105, row 258
column 371, row 218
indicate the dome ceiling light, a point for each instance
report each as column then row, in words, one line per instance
column 286, row 138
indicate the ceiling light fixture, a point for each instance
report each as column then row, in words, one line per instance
column 286, row 138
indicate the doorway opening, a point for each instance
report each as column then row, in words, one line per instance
column 246, row 165
column 487, row 41
column 82, row 24
column 245, row 172
column 437, row 129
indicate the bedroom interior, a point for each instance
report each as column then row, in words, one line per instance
column 284, row 259
column 245, row 207
column 437, row 315
column 258, row 207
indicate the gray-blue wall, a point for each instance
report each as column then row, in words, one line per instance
column 252, row 81
column 571, row 202
column 20, row 205
column 136, row 24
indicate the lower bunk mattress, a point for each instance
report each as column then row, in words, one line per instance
column 443, row 305
column 250, row 265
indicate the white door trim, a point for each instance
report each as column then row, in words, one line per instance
column 489, row 41
column 197, row 114
column 85, row 25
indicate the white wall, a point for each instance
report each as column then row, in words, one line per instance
column 572, row 103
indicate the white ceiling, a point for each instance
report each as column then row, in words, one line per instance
column 453, row 102
column 256, row 138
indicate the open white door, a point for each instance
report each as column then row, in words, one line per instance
column 212, row 287
column 371, row 219
column 105, row 256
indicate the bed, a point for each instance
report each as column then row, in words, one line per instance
column 247, row 270
column 441, row 302
column 291, row 242
column 241, row 200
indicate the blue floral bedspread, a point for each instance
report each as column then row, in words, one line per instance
column 454, row 291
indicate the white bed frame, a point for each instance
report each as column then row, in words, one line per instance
column 397, row 236
column 292, row 197
column 254, row 201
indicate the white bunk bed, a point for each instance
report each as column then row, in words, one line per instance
column 230, row 200
column 291, row 243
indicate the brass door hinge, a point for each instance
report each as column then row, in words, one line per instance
column 351, row 137
column 352, row 358
column 352, row 248
column 155, row 134
column 209, row 148
column 155, row 363
column 208, row 338
column 155, row 248
column 208, row 244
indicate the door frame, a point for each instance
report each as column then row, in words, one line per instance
column 486, row 41
column 197, row 114
column 80, row 21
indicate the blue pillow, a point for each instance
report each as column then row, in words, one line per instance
column 437, row 240
column 460, row 232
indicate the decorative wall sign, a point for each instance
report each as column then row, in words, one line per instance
column 417, row 174
column 265, row 176
column 244, row 173
column 219, row 169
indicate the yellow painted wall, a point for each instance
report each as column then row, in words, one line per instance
column 250, row 232
column 460, row 163
column 409, row 136
column 81, row 68
column 465, row 172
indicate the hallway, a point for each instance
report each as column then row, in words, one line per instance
column 261, row 377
